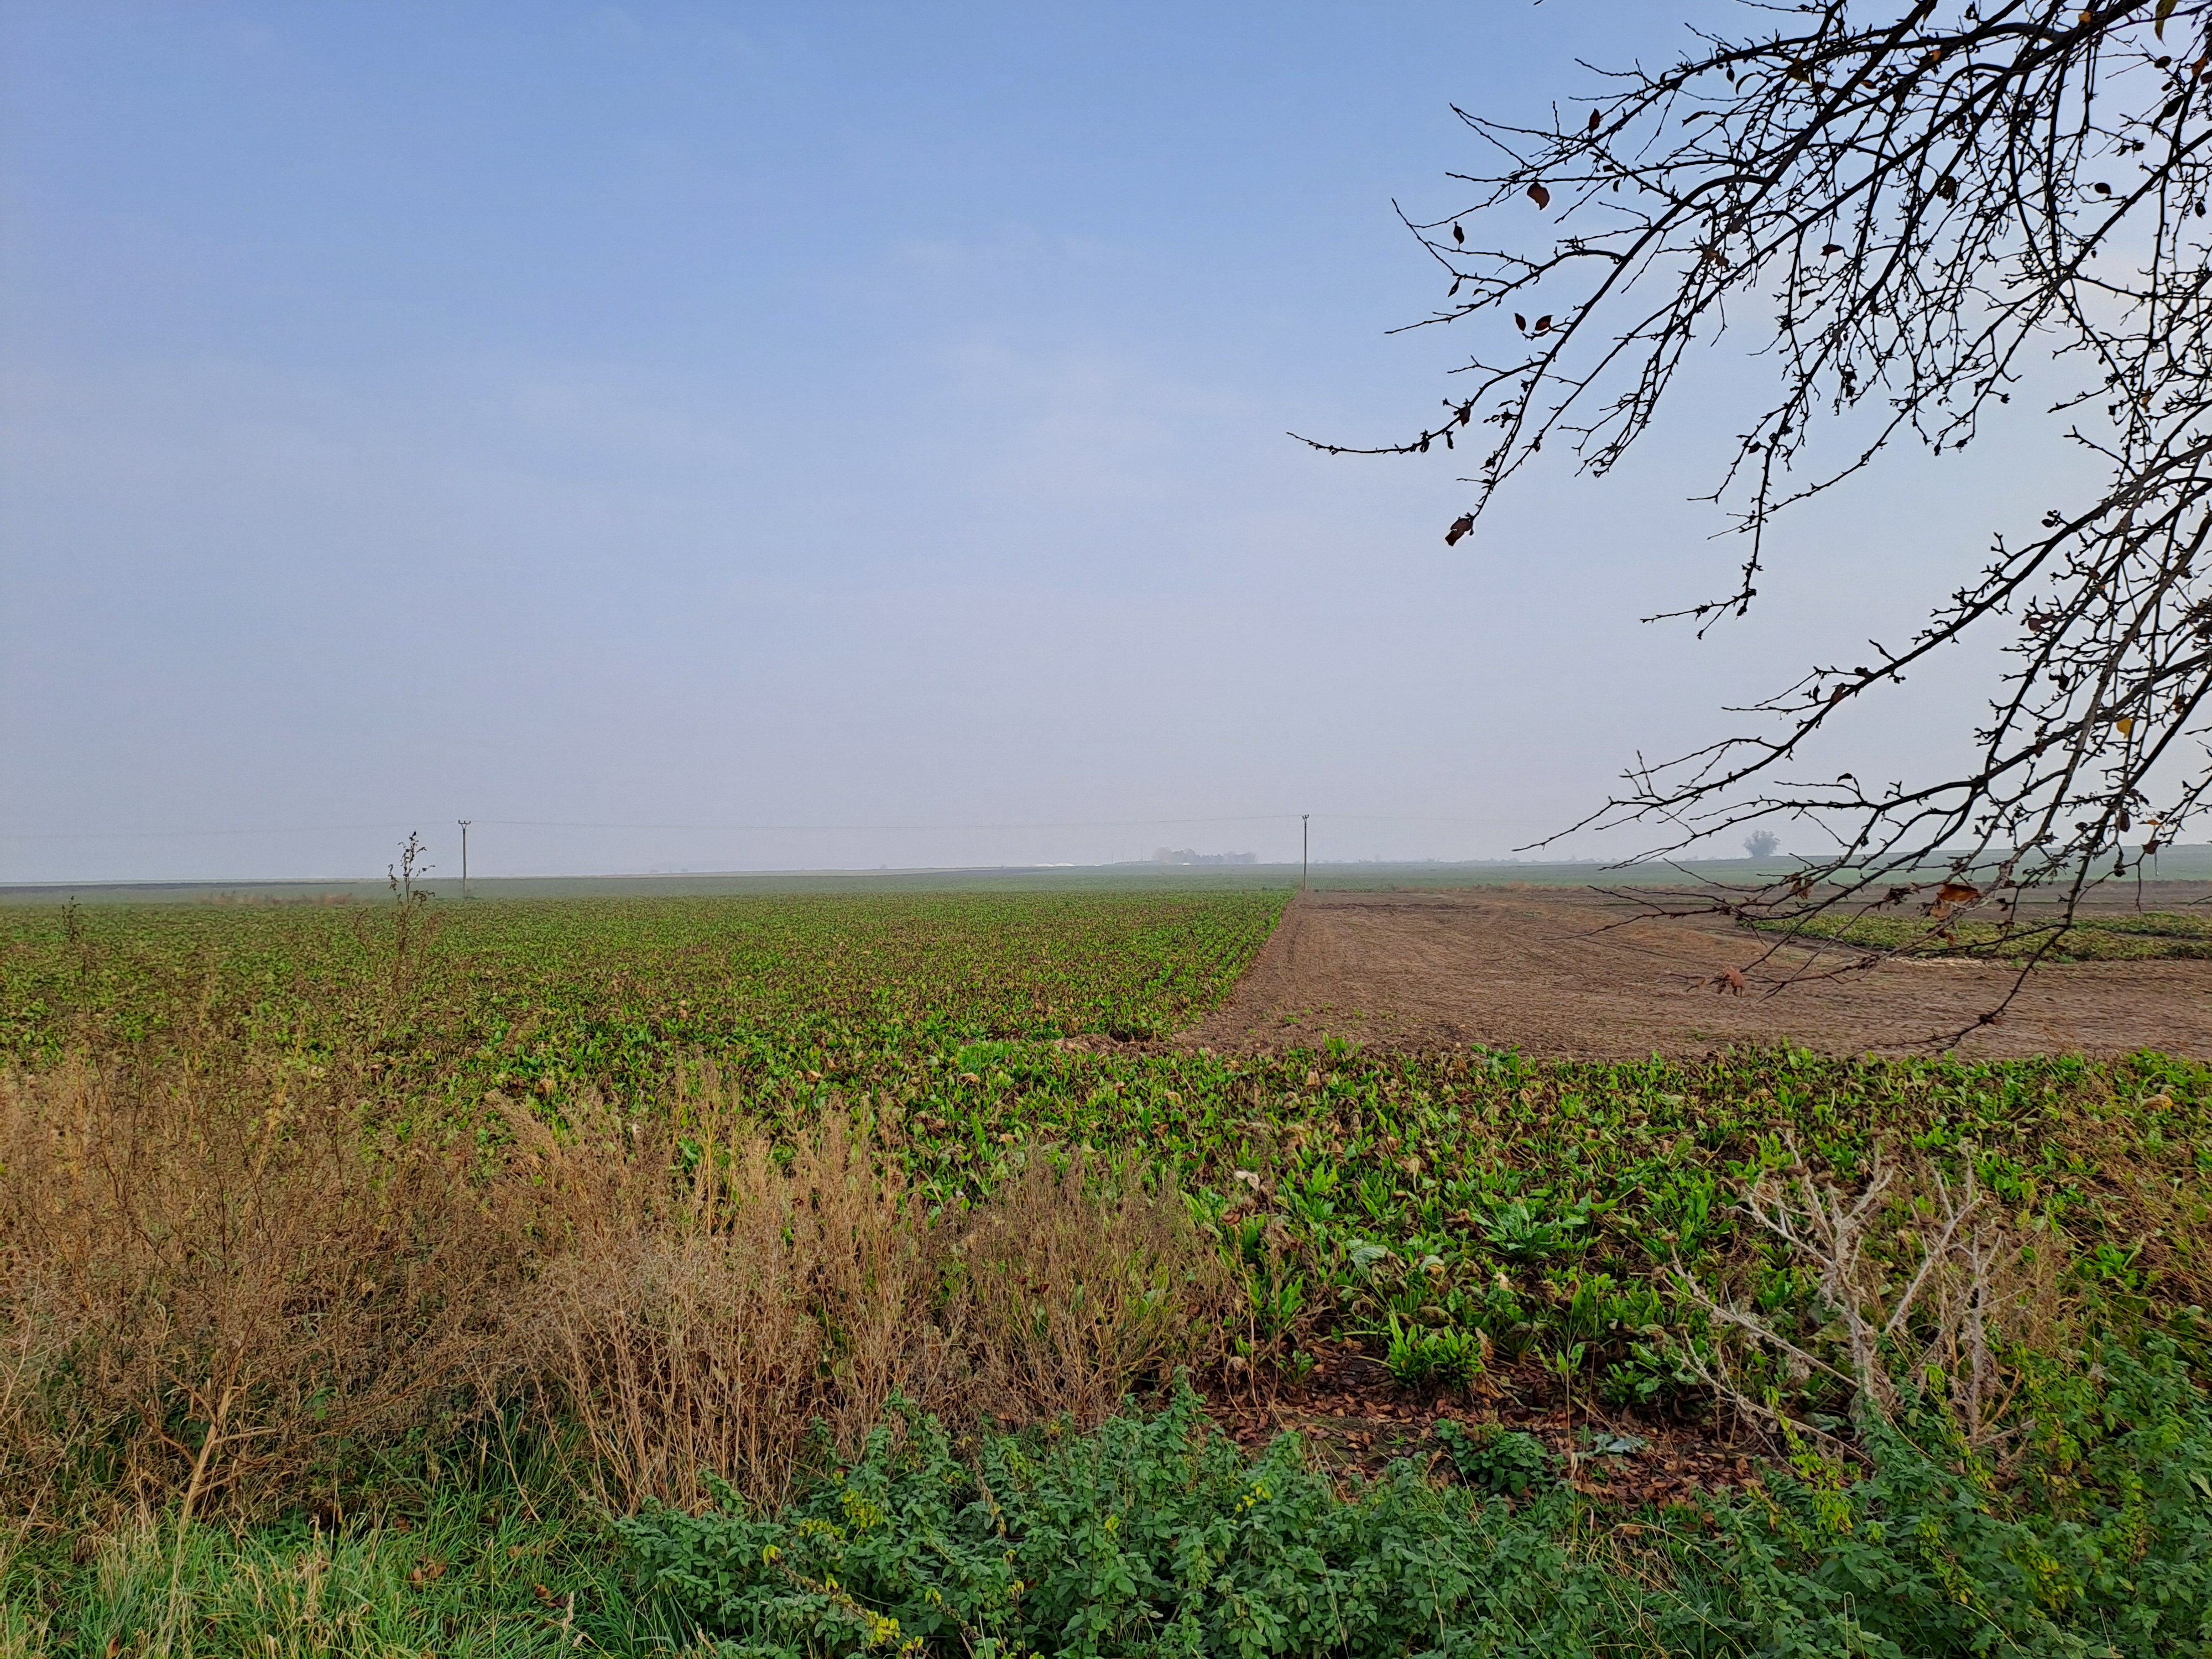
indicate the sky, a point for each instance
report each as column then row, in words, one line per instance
column 727, row 436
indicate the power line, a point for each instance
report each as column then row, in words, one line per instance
column 170, row 834
column 748, row 829
column 1078, row 823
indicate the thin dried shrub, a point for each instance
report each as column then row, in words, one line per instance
column 708, row 1296
column 1930, row 1292
column 703, row 1300
column 216, row 1274
column 1066, row 1288
column 222, row 1278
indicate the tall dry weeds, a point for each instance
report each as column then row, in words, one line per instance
column 698, row 1319
column 211, row 1275
column 1067, row 1287
column 711, row 1297
column 220, row 1279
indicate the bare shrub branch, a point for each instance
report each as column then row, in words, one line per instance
column 1925, row 1287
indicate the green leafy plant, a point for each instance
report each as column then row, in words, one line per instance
column 1529, row 1231
column 1151, row 1535
column 1651, row 1375
column 1418, row 1355
column 1506, row 1462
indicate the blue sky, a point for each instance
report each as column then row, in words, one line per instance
column 834, row 416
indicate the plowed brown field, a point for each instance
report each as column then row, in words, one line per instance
column 1575, row 973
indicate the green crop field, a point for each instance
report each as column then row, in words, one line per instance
column 610, row 992
column 2126, row 937
column 367, row 1116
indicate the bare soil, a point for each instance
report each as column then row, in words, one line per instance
column 1354, row 1419
column 1573, row 973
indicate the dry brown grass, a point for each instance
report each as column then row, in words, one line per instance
column 215, row 1275
column 1065, row 1286
column 219, row 1281
column 700, row 1320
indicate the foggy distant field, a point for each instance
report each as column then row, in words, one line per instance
column 2177, row 864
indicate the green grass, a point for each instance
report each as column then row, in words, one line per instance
column 469, row 1561
column 2135, row 937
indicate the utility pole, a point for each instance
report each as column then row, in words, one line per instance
column 1305, row 846
column 465, row 823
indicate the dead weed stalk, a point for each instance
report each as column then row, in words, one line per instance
column 1927, row 1287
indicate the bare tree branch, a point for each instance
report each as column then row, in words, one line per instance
column 1928, row 199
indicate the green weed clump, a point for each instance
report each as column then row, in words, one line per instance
column 1152, row 1536
column 1506, row 1462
